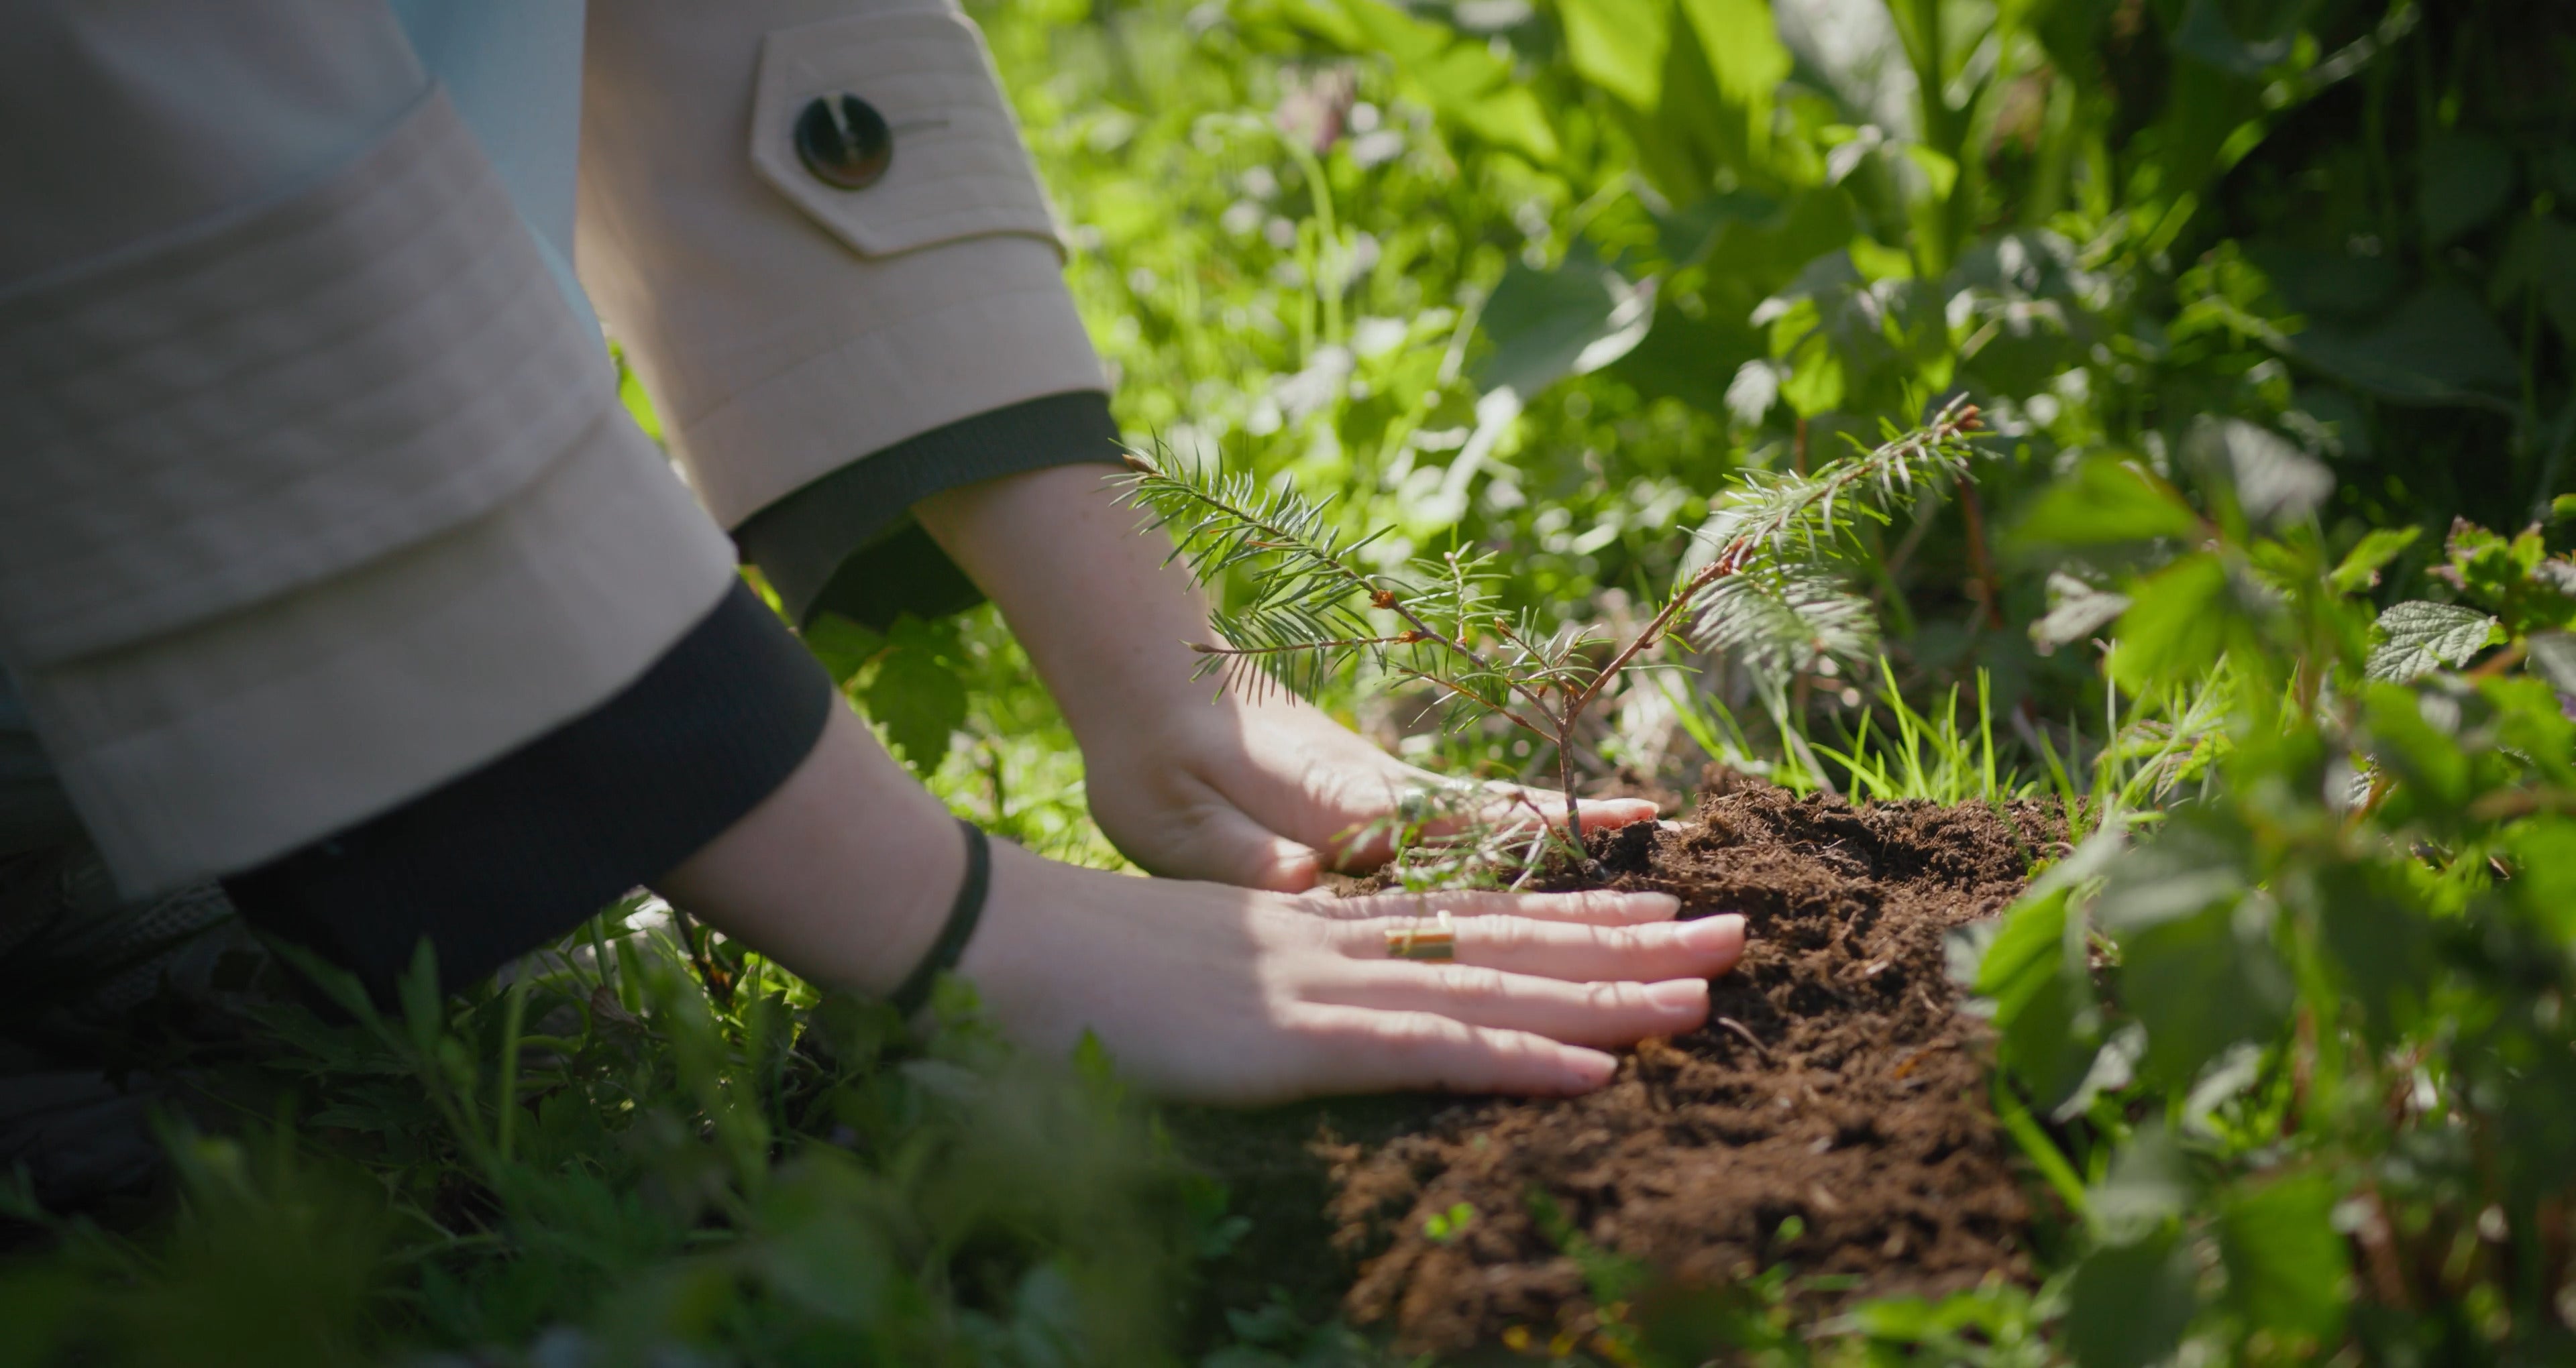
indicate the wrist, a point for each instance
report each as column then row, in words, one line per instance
column 845, row 874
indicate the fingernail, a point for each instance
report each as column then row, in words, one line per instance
column 1713, row 933
column 1657, row 904
column 1676, row 994
column 1589, row 1069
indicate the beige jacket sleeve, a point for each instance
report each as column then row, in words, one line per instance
column 787, row 328
column 313, row 493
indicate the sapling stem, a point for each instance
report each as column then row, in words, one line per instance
column 1304, row 584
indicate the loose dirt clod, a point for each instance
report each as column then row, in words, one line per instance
column 1836, row 1082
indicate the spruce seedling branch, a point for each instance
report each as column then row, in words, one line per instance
column 1765, row 594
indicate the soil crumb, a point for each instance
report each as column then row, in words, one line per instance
column 1836, row 1082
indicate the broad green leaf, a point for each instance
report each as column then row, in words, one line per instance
column 843, row 646
column 2129, row 1305
column 1464, row 82
column 2197, row 965
column 2044, row 1015
column 2103, row 502
column 2334, row 286
column 1619, row 46
column 2417, row 637
column 2149, row 1184
column 2463, row 179
column 2181, row 871
column 2438, row 347
column 2206, row 35
column 2416, row 745
column 2360, row 569
column 2541, row 260
column 2379, row 940
column 2553, row 658
column 2075, row 611
column 2273, row 480
column 2202, row 984
column 1546, row 325
column 916, row 696
column 1686, row 234
column 1745, row 58
column 2180, row 621
column 1940, row 170
column 2288, row 1268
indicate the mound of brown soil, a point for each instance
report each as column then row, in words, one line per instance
column 1836, row 1082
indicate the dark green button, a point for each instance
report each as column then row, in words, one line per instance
column 844, row 142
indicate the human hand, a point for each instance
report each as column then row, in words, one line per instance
column 1200, row 991
column 1226, row 995
column 1185, row 780
column 1268, row 794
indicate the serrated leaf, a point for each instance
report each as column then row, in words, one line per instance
column 920, row 702
column 2415, row 638
column 2360, row 569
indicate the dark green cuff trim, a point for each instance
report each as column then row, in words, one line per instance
column 962, row 916
column 525, row 848
column 847, row 544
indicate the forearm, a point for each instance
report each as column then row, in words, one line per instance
column 1106, row 620
column 844, row 874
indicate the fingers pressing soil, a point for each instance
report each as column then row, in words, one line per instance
column 1836, row 1082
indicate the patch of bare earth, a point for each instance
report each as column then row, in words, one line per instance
column 1837, row 1082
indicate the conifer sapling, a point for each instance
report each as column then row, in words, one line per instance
column 1768, row 592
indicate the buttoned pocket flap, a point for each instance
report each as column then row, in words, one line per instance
column 958, row 168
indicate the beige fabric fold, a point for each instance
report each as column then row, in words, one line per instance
column 315, row 504
column 243, row 409
column 785, row 335
column 210, row 750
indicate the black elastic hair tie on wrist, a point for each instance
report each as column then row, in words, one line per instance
column 962, row 916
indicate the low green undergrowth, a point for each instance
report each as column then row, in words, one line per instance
column 2256, row 298
column 637, row 1151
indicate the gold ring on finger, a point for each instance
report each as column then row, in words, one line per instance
column 1435, row 940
